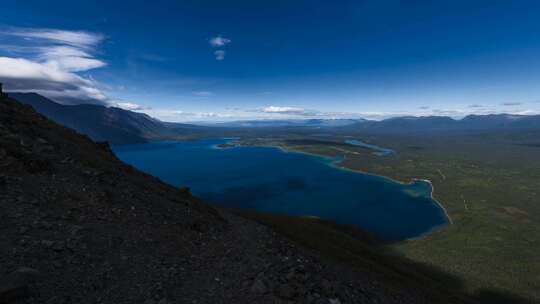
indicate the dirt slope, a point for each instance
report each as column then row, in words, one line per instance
column 79, row 226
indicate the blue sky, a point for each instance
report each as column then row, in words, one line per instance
column 227, row 60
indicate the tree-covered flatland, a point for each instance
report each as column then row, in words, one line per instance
column 489, row 183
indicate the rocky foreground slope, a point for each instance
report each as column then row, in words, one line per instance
column 79, row 226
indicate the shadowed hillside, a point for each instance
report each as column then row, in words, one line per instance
column 79, row 226
column 101, row 123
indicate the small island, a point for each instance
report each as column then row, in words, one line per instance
column 226, row 145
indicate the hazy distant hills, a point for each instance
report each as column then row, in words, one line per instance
column 499, row 121
column 119, row 126
column 280, row 123
column 407, row 124
column 101, row 123
column 469, row 123
column 401, row 124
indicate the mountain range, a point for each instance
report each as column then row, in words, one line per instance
column 100, row 123
column 471, row 123
column 280, row 123
column 80, row 226
column 400, row 124
column 119, row 126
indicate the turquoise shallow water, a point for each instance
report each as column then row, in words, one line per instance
column 271, row 180
column 378, row 150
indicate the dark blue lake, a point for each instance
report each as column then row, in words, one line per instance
column 271, row 180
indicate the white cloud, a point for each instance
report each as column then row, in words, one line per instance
column 283, row 110
column 298, row 112
column 288, row 112
column 201, row 114
column 131, row 106
column 76, row 64
column 526, row 112
column 219, row 41
column 220, row 55
column 79, row 39
column 20, row 74
column 47, row 61
column 69, row 58
column 26, row 69
column 174, row 115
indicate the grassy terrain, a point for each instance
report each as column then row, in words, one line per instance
column 490, row 186
column 353, row 247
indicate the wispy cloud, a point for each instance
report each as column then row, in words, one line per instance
column 473, row 106
column 69, row 59
column 283, row 110
column 175, row 115
column 151, row 57
column 79, row 39
column 47, row 61
column 219, row 41
column 446, row 112
column 201, row 114
column 220, row 55
column 511, row 104
column 423, row 107
column 203, row 93
column 290, row 112
column 298, row 112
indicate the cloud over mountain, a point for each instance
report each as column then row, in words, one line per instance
column 48, row 61
column 132, row 106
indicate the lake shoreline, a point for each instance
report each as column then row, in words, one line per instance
column 413, row 180
column 336, row 164
column 429, row 217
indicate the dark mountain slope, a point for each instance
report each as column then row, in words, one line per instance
column 79, row 226
column 101, row 123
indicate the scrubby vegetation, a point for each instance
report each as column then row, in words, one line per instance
column 488, row 182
